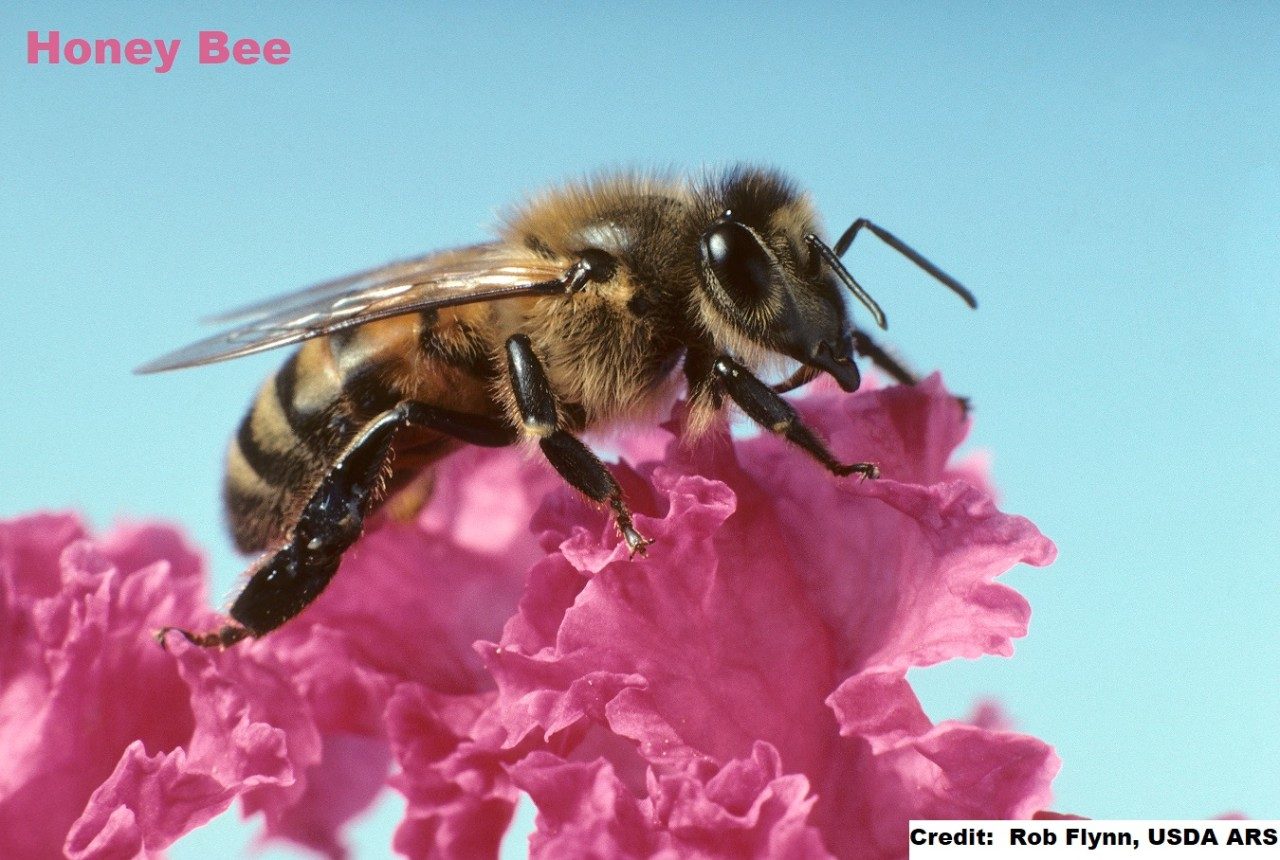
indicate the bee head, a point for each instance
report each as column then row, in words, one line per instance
column 767, row 276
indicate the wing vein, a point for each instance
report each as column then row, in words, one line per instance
column 479, row 273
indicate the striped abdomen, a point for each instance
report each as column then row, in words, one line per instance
column 307, row 413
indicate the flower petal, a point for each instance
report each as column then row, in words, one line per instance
column 460, row 797
column 82, row 679
column 779, row 608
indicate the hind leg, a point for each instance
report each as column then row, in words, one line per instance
column 283, row 583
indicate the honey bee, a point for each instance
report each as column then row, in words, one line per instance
column 592, row 302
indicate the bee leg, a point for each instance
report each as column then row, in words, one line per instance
column 883, row 359
column 285, row 582
column 566, row 453
column 767, row 408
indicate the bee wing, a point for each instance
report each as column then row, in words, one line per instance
column 368, row 279
column 476, row 274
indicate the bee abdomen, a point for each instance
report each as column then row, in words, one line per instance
column 299, row 423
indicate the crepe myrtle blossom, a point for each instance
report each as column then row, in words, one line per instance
column 739, row 691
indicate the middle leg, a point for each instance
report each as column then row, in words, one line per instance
column 566, row 453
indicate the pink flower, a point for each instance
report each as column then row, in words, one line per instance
column 111, row 746
column 739, row 691
column 773, row 623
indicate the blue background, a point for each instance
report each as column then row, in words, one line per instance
column 1107, row 182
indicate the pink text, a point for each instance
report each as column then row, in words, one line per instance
column 77, row 52
column 216, row 47
column 213, row 49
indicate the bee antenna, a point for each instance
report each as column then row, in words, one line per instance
column 833, row 260
column 907, row 251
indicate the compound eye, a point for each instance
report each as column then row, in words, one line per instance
column 740, row 264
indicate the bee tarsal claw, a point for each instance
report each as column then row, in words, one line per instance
column 637, row 543
column 869, row 471
column 223, row 637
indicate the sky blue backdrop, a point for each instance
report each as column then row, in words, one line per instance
column 1107, row 181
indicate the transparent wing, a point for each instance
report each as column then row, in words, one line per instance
column 475, row 274
column 368, row 279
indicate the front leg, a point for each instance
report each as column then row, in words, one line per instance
column 764, row 406
column 572, row 459
column 883, row 359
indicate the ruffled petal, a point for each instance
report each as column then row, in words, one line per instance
column 460, row 799
column 252, row 734
column 83, row 682
column 739, row 691
column 584, row 810
column 778, row 609
column 748, row 808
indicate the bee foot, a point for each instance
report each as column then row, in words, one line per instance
column 223, row 637
column 636, row 542
column 867, row 470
